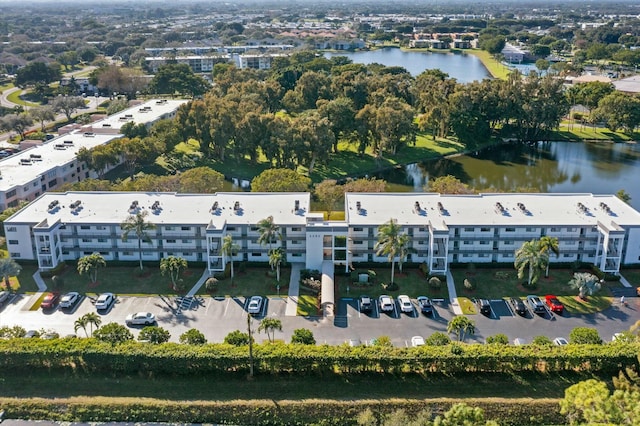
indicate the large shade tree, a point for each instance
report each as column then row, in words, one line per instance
column 137, row 225
column 8, row 268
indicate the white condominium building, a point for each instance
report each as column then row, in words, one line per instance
column 444, row 229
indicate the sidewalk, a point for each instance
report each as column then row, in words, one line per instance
column 453, row 296
column 294, row 290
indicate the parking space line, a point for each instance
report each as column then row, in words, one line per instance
column 226, row 306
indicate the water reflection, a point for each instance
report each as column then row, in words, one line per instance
column 601, row 168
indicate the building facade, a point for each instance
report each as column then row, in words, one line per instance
column 444, row 229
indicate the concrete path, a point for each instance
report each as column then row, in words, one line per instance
column 42, row 287
column 199, row 283
column 453, row 296
column 624, row 282
column 294, row 290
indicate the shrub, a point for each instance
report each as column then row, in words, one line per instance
column 585, row 335
column 58, row 282
column 193, row 337
column 310, row 273
column 424, row 268
column 435, row 283
column 383, row 341
column 154, row 334
column 113, row 333
column 498, row 339
column 542, row 341
column 237, row 338
column 456, row 349
column 437, row 339
column 7, row 332
column 303, row 336
column 211, row 285
column 390, row 286
column 468, row 284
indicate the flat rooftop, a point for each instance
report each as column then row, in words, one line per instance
column 147, row 112
column 186, row 209
column 543, row 209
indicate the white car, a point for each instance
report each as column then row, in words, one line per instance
column 386, row 303
column 255, row 305
column 405, row 303
column 104, row 301
column 560, row 341
column 140, row 318
column 69, row 299
column 417, row 341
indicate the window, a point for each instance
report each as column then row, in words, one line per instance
column 87, row 253
column 467, row 243
column 469, row 229
column 186, row 228
column 484, row 243
column 171, row 241
column 358, row 229
column 254, row 229
column 510, row 229
column 358, row 242
column 11, row 229
column 570, row 243
column 296, row 229
column 554, row 230
column 168, row 228
column 14, row 242
column 567, row 255
column 422, row 229
column 14, row 255
column 101, row 228
column 10, row 194
column 296, row 255
column 508, row 243
column 571, row 229
column 65, row 252
column 295, row 242
column 87, row 240
column 231, row 228
column 102, row 240
column 126, row 253
column 25, row 189
column 255, row 254
column 421, row 242
column 85, row 227
column 483, row 255
column 530, row 229
column 485, row 229
column 186, row 241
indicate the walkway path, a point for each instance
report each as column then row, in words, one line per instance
column 294, row 290
column 453, row 296
column 199, row 283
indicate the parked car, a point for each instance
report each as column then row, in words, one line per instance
column 365, row 304
column 417, row 341
column 518, row 341
column 560, row 341
column 4, row 296
column 536, row 304
column 255, row 305
column 104, row 301
column 354, row 342
column 405, row 303
column 426, row 307
column 69, row 300
column 32, row 334
column 518, row 306
column 140, row 318
column 386, row 303
column 483, row 306
column 50, row 300
column 554, row 304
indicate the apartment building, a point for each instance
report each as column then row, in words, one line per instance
column 32, row 172
column 444, row 229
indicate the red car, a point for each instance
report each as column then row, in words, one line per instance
column 554, row 304
column 50, row 300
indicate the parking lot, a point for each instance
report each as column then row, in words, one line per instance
column 216, row 317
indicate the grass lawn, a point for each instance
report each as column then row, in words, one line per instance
column 467, row 306
column 411, row 282
column 496, row 283
column 632, row 275
column 16, row 99
column 496, row 68
column 55, row 384
column 252, row 281
column 307, row 305
column 24, row 279
column 578, row 133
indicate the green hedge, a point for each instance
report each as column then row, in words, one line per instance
column 268, row 412
column 89, row 355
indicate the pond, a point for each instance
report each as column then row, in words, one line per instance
column 599, row 168
column 464, row 68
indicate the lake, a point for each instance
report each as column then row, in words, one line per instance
column 464, row 68
column 599, row 168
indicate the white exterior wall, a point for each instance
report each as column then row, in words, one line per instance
column 632, row 254
column 19, row 242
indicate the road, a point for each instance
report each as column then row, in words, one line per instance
column 216, row 317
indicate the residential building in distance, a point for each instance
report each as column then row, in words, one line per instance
column 30, row 173
column 444, row 229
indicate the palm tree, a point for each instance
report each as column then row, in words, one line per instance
column 173, row 265
column 268, row 231
column 89, row 319
column 529, row 255
column 404, row 249
column 392, row 243
column 549, row 244
column 81, row 323
column 461, row 326
column 276, row 257
column 90, row 264
column 9, row 268
column 139, row 226
column 585, row 283
column 269, row 326
column 229, row 249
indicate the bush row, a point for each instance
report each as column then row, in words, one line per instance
column 89, row 355
column 268, row 412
